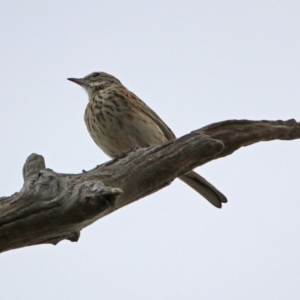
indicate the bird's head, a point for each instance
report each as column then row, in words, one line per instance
column 95, row 81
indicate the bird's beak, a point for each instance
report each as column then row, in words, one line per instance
column 79, row 81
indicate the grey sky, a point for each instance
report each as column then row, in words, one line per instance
column 194, row 63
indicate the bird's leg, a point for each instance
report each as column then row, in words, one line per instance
column 127, row 152
column 121, row 155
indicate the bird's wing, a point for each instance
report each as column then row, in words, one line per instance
column 140, row 105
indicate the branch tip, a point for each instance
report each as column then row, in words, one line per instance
column 34, row 163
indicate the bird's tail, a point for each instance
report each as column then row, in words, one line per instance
column 204, row 188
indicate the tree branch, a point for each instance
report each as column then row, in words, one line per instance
column 52, row 207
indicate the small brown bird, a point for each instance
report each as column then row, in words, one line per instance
column 118, row 120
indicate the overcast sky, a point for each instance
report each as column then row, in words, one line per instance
column 194, row 63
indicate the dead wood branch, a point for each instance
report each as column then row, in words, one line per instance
column 51, row 207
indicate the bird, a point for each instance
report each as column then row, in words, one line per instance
column 118, row 120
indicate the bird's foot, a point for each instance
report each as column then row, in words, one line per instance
column 127, row 152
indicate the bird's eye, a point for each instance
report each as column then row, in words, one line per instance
column 96, row 75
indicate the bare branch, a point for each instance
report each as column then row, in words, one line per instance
column 51, row 207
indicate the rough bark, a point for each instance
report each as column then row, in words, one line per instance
column 52, row 207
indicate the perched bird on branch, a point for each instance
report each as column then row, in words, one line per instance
column 118, row 120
